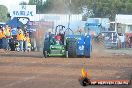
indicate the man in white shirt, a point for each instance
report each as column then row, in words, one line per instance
column 122, row 39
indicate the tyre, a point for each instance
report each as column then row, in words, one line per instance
column 85, row 82
column 71, row 47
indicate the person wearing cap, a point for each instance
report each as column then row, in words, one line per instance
column 61, row 33
column 20, row 38
column 26, row 41
column 2, row 36
column 58, row 39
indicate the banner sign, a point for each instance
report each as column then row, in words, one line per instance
column 23, row 11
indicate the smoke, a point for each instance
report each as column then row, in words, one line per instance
column 38, row 36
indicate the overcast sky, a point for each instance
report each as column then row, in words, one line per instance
column 9, row 3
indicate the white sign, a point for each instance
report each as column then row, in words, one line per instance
column 23, row 11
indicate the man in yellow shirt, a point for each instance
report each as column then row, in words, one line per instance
column 7, row 36
column 27, row 41
column 2, row 36
column 20, row 38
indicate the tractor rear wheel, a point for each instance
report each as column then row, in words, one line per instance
column 71, row 47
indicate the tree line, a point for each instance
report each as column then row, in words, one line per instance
column 89, row 8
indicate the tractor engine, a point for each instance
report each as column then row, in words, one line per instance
column 56, row 48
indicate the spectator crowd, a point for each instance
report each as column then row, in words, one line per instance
column 7, row 38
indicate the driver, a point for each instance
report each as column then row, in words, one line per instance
column 58, row 39
column 61, row 33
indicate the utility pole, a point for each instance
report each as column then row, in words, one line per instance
column 67, row 6
column 69, row 16
column 94, row 6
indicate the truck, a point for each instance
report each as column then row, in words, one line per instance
column 94, row 26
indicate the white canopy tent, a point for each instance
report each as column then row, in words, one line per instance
column 123, row 19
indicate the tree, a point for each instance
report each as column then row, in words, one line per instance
column 91, row 8
column 23, row 3
column 103, row 8
column 41, row 5
column 3, row 13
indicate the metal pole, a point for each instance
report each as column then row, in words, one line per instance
column 69, row 21
column 94, row 6
column 69, row 12
column 116, row 24
column 69, row 16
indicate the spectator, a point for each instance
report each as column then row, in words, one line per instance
column 61, row 33
column 8, row 37
column 20, row 38
column 122, row 39
column 127, row 45
column 19, row 30
column 2, row 36
column 26, row 41
column 80, row 31
column 14, row 31
column 131, row 41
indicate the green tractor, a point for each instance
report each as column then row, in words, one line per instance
column 54, row 43
column 66, row 44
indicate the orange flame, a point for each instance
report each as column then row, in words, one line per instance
column 84, row 73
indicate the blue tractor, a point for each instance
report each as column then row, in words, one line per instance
column 72, row 46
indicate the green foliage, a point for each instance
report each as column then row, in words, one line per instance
column 3, row 13
column 23, row 3
column 98, row 8
column 31, row 2
column 41, row 6
column 104, row 8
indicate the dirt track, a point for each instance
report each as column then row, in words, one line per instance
column 30, row 70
